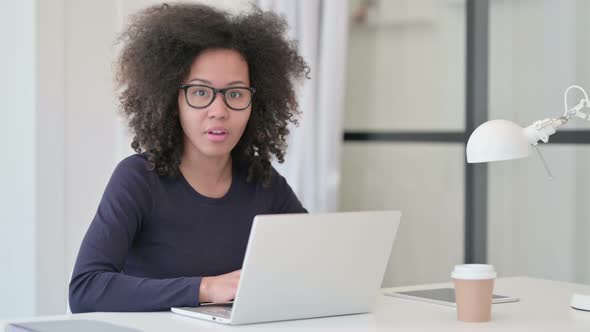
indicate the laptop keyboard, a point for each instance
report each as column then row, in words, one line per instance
column 216, row 310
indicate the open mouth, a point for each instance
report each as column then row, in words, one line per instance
column 218, row 134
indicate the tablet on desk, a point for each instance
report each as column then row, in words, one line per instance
column 442, row 296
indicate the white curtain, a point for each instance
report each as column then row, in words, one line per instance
column 312, row 163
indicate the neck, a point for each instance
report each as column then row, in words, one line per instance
column 203, row 169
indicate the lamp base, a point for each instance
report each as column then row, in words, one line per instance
column 581, row 302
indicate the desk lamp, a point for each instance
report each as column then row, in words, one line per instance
column 498, row 140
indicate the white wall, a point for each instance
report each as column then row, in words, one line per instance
column 582, row 193
column 49, row 151
column 425, row 182
column 407, row 67
column 17, row 166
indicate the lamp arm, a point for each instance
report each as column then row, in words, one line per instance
column 542, row 129
column 576, row 110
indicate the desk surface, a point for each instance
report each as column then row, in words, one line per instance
column 544, row 306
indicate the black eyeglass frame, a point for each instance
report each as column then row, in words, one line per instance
column 215, row 92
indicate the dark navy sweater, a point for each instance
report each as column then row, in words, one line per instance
column 153, row 238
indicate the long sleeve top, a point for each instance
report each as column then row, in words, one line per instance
column 153, row 238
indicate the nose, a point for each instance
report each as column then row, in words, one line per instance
column 218, row 109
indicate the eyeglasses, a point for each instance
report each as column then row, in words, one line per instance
column 200, row 96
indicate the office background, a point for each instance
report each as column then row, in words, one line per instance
column 405, row 78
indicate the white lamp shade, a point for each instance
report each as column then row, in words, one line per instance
column 497, row 140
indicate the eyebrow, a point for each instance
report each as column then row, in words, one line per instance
column 209, row 82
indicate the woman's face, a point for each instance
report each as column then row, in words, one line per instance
column 214, row 130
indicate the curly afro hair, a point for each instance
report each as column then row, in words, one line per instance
column 159, row 47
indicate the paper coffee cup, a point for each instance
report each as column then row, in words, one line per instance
column 474, row 286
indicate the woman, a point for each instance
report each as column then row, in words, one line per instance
column 208, row 97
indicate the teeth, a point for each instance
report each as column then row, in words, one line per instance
column 217, row 132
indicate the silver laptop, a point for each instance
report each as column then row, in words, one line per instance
column 308, row 265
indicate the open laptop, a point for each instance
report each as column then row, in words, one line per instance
column 308, row 265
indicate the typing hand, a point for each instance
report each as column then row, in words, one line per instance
column 221, row 288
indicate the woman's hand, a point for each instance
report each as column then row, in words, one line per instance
column 221, row 288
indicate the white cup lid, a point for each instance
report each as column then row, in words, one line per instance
column 473, row 272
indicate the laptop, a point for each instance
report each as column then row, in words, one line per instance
column 308, row 265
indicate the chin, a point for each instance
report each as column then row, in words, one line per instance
column 216, row 151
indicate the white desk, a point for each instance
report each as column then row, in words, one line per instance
column 544, row 306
